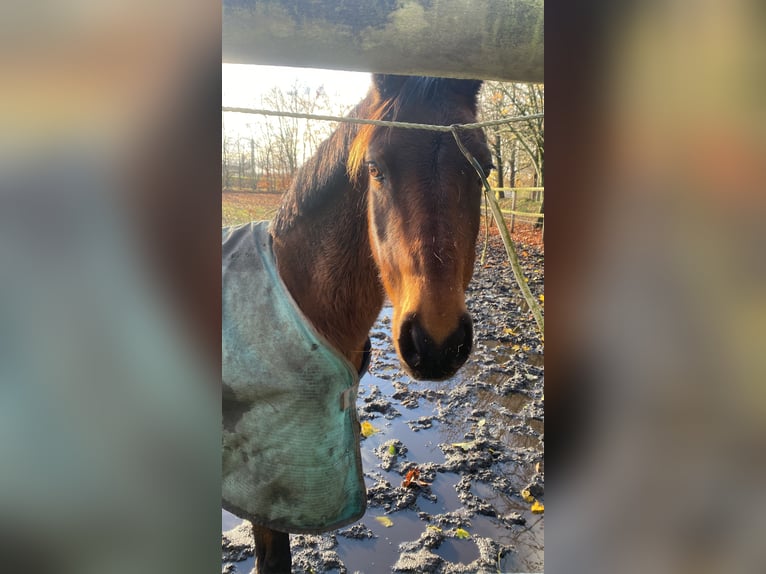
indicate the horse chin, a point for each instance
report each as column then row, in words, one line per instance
column 422, row 375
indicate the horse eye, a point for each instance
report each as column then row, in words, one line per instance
column 374, row 170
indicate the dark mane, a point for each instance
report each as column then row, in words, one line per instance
column 339, row 159
column 322, row 172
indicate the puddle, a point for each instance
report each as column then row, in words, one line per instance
column 243, row 567
column 536, row 425
column 367, row 555
column 500, row 351
column 458, row 551
column 228, row 521
column 381, row 553
column 491, row 401
column 447, row 498
column 518, row 440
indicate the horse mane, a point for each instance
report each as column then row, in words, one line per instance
column 323, row 172
column 339, row 160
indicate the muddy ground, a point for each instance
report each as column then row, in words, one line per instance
column 476, row 440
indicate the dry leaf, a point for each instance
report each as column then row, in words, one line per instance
column 537, row 507
column 525, row 494
column 462, row 534
column 368, row 430
column 385, row 521
column 465, row 445
column 434, row 528
column 481, row 423
column 412, row 475
column 509, row 331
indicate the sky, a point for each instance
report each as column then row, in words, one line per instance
column 244, row 85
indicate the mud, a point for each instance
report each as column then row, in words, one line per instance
column 471, row 446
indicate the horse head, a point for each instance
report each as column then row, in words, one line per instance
column 423, row 211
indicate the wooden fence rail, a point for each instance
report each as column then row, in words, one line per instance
column 491, row 40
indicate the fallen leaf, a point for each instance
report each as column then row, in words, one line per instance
column 509, row 331
column 392, row 450
column 434, row 528
column 516, row 348
column 412, row 475
column 385, row 521
column 525, row 494
column 481, row 423
column 537, row 507
column 368, row 430
column 462, row 534
column 465, row 445
column 542, row 299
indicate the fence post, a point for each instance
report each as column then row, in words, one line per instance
column 513, row 208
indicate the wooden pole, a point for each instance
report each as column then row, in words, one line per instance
column 513, row 208
column 492, row 39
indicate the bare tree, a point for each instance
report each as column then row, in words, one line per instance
column 275, row 147
column 517, row 147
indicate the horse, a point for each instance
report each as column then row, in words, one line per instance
column 384, row 211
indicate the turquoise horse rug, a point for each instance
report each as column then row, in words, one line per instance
column 291, row 459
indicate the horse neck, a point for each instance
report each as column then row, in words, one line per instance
column 324, row 258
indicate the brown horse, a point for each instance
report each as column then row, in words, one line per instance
column 385, row 211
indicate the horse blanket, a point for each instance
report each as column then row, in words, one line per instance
column 291, row 458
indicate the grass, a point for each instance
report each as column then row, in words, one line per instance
column 241, row 207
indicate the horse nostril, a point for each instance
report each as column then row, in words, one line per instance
column 411, row 344
column 419, row 338
column 461, row 341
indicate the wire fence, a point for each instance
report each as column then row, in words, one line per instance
column 528, row 205
column 382, row 123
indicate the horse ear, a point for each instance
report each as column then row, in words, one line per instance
column 387, row 85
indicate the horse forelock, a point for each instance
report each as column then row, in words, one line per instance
column 415, row 91
column 357, row 151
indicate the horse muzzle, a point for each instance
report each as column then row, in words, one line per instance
column 425, row 358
